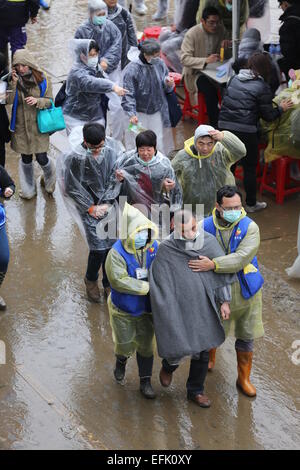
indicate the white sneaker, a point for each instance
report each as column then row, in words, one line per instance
column 259, row 206
column 141, row 9
column 2, row 304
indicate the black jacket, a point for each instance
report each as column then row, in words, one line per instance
column 5, row 181
column 14, row 13
column 4, row 122
column 245, row 102
column 289, row 36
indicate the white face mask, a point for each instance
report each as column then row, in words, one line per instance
column 92, row 62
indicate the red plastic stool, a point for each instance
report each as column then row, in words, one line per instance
column 277, row 180
column 197, row 112
column 152, row 32
column 239, row 173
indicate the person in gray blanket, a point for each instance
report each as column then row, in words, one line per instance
column 187, row 307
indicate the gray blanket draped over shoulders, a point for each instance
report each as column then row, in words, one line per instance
column 185, row 304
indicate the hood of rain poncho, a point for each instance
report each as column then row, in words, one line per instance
column 228, row 226
column 24, row 57
column 189, row 147
column 79, row 48
column 132, row 222
column 251, row 42
column 94, row 5
column 112, row 14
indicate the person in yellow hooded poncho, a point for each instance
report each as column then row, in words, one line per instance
column 239, row 237
column 127, row 267
column 203, row 166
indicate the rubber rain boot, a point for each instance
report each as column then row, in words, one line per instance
column 244, row 366
column 93, row 291
column 48, row 179
column 27, row 180
column 120, row 368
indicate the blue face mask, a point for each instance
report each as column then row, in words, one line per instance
column 99, row 20
column 140, row 239
column 229, row 6
column 232, row 216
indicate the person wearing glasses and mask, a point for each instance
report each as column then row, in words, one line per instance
column 203, row 165
column 83, row 175
column 224, row 7
column 201, row 46
column 239, row 237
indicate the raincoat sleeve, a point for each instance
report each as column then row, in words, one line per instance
column 131, row 34
column 176, row 193
column 247, row 249
column 129, row 100
column 113, row 55
column 165, row 73
column 34, row 6
column 223, row 294
column 91, row 84
column 73, row 187
column 235, row 149
column 116, row 270
column 43, row 103
column 187, row 54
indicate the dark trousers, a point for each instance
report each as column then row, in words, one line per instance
column 97, row 259
column 197, row 374
column 211, row 99
column 15, row 35
column 4, row 250
column 42, row 158
column 145, row 365
column 2, row 153
column 249, row 163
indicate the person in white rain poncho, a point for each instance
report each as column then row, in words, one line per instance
column 146, row 177
column 87, row 89
column 147, row 80
column 83, row 176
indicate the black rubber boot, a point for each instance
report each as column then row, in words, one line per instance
column 146, row 388
column 119, row 371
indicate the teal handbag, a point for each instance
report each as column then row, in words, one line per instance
column 50, row 120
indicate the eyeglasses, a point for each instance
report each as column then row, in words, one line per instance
column 236, row 208
column 212, row 23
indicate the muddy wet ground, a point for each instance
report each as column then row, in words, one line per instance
column 57, row 389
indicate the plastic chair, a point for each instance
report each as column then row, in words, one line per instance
column 277, row 180
column 197, row 112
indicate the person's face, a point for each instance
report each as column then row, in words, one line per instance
column 111, row 3
column 22, row 69
column 146, row 153
column 205, row 145
column 153, row 56
column 211, row 24
column 229, row 203
column 95, row 148
column 189, row 230
column 93, row 53
column 284, row 5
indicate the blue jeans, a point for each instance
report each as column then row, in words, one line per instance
column 4, row 250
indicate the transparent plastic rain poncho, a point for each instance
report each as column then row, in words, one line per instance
column 143, row 183
column 108, row 38
column 201, row 177
column 124, row 22
column 284, row 133
column 83, row 180
column 147, row 100
column 85, row 86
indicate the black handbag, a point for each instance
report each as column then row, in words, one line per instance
column 175, row 112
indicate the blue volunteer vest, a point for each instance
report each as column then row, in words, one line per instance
column 133, row 304
column 43, row 88
column 250, row 278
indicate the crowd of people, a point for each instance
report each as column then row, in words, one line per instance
column 117, row 109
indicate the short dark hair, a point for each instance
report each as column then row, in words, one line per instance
column 210, row 11
column 93, row 45
column 146, row 139
column 93, row 133
column 260, row 64
column 227, row 191
column 149, row 46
